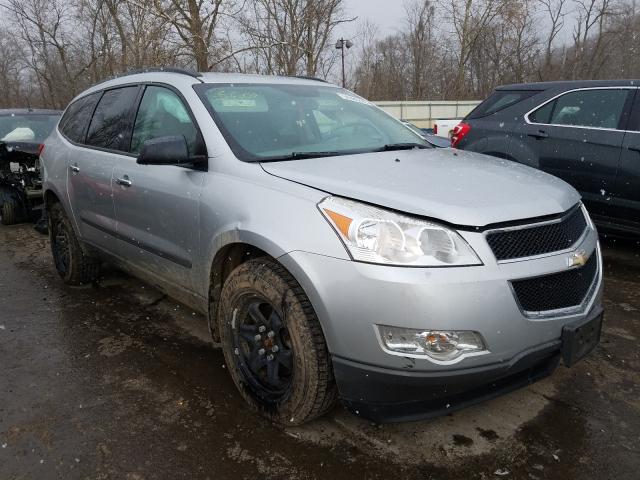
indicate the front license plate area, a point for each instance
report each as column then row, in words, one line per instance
column 579, row 340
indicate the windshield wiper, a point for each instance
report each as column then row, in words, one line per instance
column 400, row 146
column 302, row 156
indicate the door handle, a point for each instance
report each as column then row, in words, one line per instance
column 74, row 168
column 634, row 149
column 125, row 182
column 539, row 134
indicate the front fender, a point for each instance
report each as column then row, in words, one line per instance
column 275, row 215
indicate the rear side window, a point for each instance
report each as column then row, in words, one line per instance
column 499, row 100
column 111, row 124
column 75, row 120
column 598, row 108
column 163, row 114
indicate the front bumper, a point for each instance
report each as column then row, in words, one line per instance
column 385, row 395
column 351, row 298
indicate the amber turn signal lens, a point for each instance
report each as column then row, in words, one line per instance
column 341, row 222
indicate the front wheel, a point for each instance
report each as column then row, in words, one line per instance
column 273, row 344
column 73, row 265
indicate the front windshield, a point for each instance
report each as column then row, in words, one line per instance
column 285, row 121
column 31, row 128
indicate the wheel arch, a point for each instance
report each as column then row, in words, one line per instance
column 226, row 259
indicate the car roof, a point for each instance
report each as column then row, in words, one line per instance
column 569, row 84
column 28, row 111
column 177, row 77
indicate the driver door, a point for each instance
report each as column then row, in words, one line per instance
column 157, row 206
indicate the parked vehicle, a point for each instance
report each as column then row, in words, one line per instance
column 585, row 132
column 22, row 131
column 335, row 252
column 428, row 135
column 444, row 127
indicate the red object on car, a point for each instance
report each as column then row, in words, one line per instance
column 459, row 132
column 435, row 128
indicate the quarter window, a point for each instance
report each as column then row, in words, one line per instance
column 75, row 120
column 598, row 108
column 163, row 114
column 499, row 100
column 111, row 124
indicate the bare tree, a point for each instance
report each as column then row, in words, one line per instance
column 591, row 19
column 555, row 13
column 421, row 45
column 469, row 19
column 195, row 22
column 292, row 37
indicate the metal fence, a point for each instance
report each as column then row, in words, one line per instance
column 423, row 114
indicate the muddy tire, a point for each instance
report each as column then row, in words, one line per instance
column 9, row 212
column 73, row 265
column 273, row 344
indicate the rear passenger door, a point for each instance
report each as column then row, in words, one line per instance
column 577, row 136
column 627, row 191
column 91, row 164
column 157, row 206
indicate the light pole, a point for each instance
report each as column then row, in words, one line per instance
column 341, row 45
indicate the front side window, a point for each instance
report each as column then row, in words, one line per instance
column 598, row 108
column 163, row 114
column 111, row 126
column 285, row 121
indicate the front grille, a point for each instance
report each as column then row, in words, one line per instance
column 556, row 291
column 531, row 240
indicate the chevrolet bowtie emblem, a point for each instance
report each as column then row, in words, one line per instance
column 577, row 259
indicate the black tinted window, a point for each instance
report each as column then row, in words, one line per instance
column 163, row 114
column 111, row 124
column 75, row 120
column 601, row 108
column 499, row 100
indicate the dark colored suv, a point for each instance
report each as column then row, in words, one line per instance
column 585, row 132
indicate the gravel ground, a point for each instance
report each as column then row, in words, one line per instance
column 118, row 381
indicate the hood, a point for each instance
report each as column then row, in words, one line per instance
column 459, row 187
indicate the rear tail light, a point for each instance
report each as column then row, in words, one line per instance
column 40, row 149
column 459, row 132
column 435, row 128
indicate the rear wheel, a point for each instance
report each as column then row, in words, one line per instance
column 273, row 344
column 9, row 212
column 74, row 266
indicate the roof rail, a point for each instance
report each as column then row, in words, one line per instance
column 182, row 71
column 307, row 77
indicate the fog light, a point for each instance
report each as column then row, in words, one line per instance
column 442, row 345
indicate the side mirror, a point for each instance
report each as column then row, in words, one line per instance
column 164, row 151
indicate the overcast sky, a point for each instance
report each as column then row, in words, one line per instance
column 387, row 14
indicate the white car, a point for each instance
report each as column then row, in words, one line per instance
column 444, row 128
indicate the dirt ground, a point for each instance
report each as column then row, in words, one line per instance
column 120, row 382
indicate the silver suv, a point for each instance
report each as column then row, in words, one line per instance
column 336, row 253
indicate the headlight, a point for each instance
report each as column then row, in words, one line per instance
column 441, row 345
column 379, row 236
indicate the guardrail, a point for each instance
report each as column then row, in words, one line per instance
column 424, row 113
